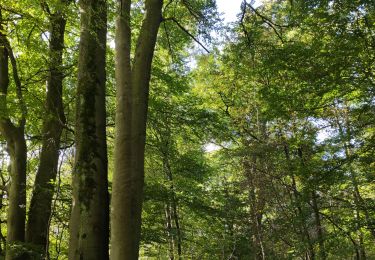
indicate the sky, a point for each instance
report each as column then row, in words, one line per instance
column 230, row 8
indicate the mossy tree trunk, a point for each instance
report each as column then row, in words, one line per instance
column 132, row 85
column 17, row 149
column 89, row 223
column 40, row 206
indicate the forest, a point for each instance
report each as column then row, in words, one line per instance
column 152, row 129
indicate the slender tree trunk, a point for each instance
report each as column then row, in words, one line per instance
column 318, row 225
column 16, row 146
column 358, row 200
column 89, row 223
column 257, row 204
column 172, row 204
column 177, row 226
column 3, row 193
column 168, row 226
column 304, row 228
column 228, row 242
column 132, row 84
column 315, row 208
column 40, row 206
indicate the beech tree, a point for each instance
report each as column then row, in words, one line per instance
column 247, row 140
column 89, row 222
column 132, row 89
column 40, row 206
column 14, row 134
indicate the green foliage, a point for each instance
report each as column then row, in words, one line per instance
column 287, row 103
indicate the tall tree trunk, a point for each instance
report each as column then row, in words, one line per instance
column 132, row 85
column 89, row 223
column 40, row 206
column 16, row 146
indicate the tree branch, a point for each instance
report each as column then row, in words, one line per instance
column 266, row 20
column 186, row 31
column 17, row 82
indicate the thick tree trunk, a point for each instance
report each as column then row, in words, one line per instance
column 132, row 86
column 17, row 193
column 16, row 146
column 40, row 206
column 89, row 223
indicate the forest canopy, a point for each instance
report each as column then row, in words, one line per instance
column 152, row 129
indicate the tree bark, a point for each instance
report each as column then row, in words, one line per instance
column 16, row 147
column 40, row 206
column 168, row 226
column 89, row 223
column 132, row 85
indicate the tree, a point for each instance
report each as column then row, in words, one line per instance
column 132, row 88
column 89, row 222
column 261, row 149
column 16, row 145
column 40, row 206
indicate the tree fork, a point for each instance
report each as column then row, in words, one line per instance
column 132, row 88
column 17, row 149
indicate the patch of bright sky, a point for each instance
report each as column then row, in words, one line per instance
column 211, row 147
column 325, row 131
column 231, row 8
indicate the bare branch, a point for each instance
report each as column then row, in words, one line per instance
column 168, row 40
column 186, row 31
column 265, row 18
column 243, row 24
